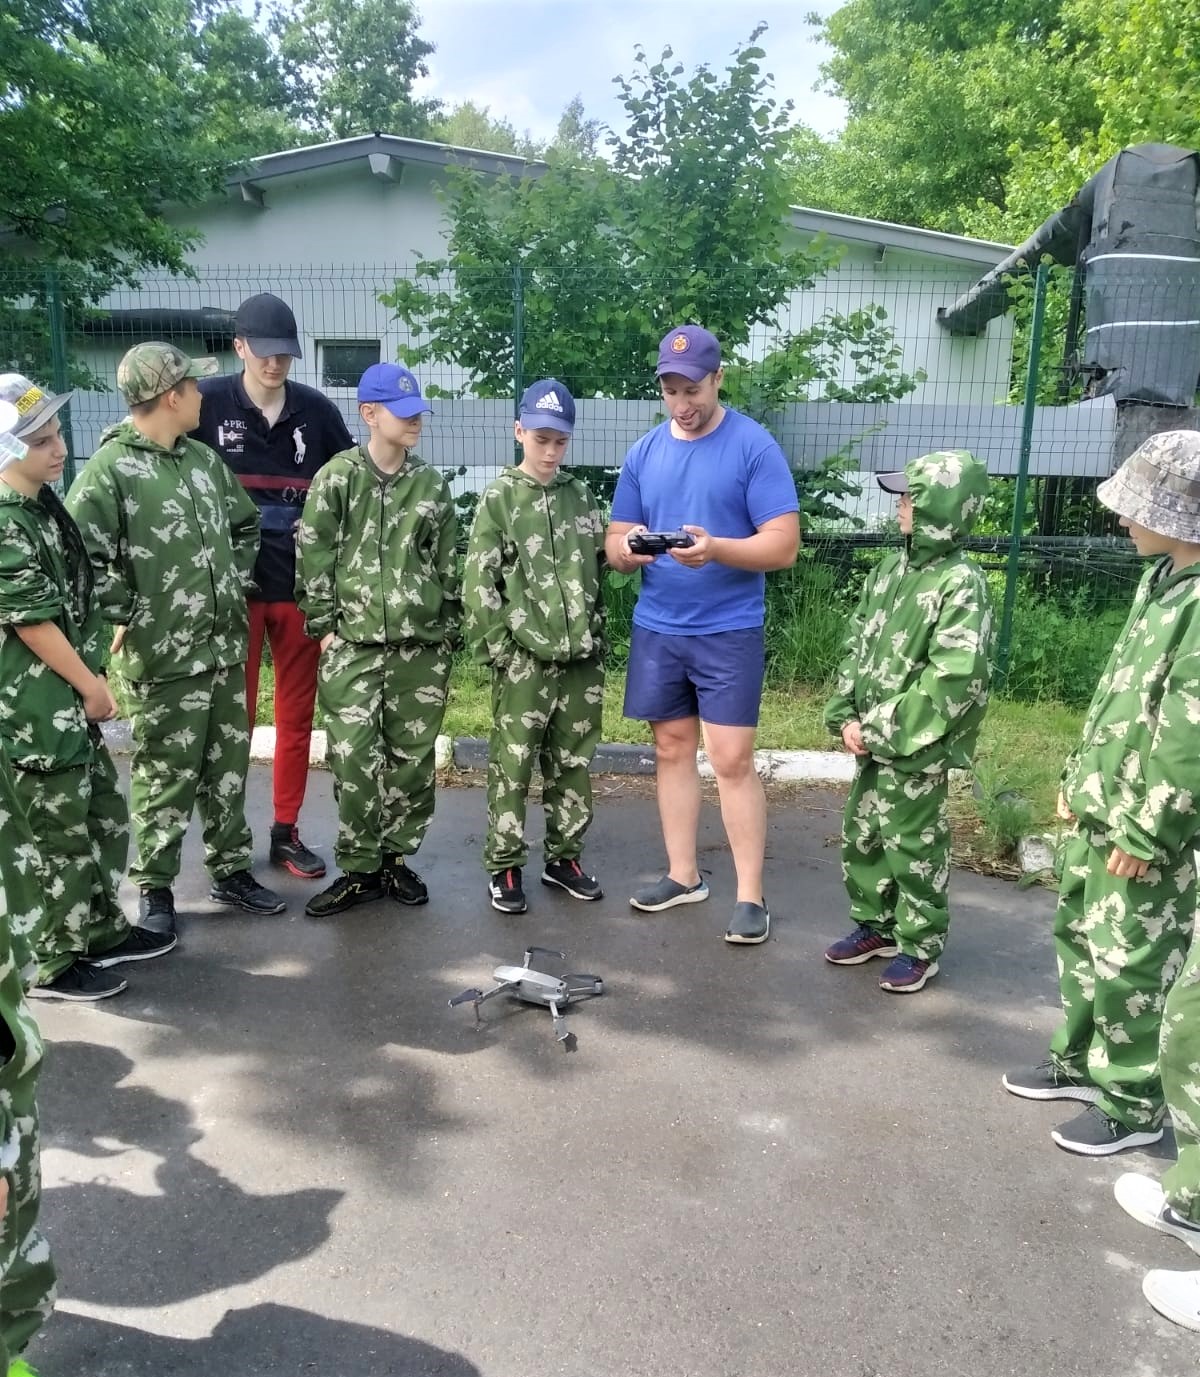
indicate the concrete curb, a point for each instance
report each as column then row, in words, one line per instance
column 471, row 753
column 616, row 758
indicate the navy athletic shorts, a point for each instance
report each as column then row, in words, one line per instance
column 717, row 677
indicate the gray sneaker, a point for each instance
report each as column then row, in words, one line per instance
column 666, row 893
column 1048, row 1082
column 750, row 923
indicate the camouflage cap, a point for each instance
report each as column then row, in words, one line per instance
column 1158, row 486
column 149, row 370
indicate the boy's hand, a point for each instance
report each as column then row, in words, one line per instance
column 1128, row 867
column 98, row 702
column 3, row 1195
column 696, row 555
column 118, row 640
column 326, row 641
column 852, row 739
column 1061, row 811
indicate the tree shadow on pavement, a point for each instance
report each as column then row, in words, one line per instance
column 264, row 1341
column 130, row 1191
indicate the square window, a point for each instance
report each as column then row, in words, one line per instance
column 344, row 361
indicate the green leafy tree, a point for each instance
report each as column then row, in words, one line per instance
column 985, row 118
column 350, row 67
column 472, row 126
column 104, row 117
column 577, row 139
column 685, row 222
column 942, row 98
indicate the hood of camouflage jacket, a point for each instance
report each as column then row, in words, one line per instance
column 948, row 489
column 129, row 434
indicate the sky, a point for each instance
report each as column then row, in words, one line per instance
column 525, row 59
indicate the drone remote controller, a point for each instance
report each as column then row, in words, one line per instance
column 659, row 542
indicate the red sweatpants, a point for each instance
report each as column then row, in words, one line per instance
column 295, row 658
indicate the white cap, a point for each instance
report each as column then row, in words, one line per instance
column 12, row 450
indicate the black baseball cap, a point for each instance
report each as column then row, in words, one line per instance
column 268, row 326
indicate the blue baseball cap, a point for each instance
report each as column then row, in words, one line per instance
column 547, row 405
column 690, row 351
column 395, row 387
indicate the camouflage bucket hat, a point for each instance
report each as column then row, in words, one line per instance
column 149, row 370
column 1158, row 486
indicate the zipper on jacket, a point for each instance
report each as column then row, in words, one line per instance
column 557, row 581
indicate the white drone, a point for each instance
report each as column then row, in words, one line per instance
column 535, row 987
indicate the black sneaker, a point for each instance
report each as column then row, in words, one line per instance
column 1048, row 1082
column 505, row 891
column 242, row 890
column 156, row 911
column 139, row 944
column 1094, row 1134
column 82, row 984
column 348, row 890
column 572, row 877
column 290, row 852
column 403, row 884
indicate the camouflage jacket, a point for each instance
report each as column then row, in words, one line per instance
column 532, row 576
column 917, row 661
column 1134, row 771
column 172, row 538
column 375, row 556
column 43, row 579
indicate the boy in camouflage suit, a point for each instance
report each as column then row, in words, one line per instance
column 172, row 538
column 377, row 581
column 52, row 693
column 911, row 694
column 27, row 1283
column 1128, row 894
column 534, row 612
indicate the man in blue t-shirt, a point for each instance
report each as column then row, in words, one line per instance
column 696, row 659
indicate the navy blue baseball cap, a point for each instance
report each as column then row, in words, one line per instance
column 395, row 387
column 547, row 405
column 690, row 351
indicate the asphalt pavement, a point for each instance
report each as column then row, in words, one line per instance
column 280, row 1152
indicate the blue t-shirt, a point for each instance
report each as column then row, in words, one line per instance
column 731, row 482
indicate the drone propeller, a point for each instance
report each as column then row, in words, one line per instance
column 467, row 996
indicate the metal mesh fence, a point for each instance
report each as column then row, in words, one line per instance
column 854, row 375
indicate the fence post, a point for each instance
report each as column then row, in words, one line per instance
column 1004, row 648
column 58, row 366
column 518, row 301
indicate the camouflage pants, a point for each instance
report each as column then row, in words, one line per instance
column 81, row 825
column 26, row 1271
column 896, row 856
column 1120, row 945
column 1179, row 1056
column 191, row 749
column 548, row 715
column 383, row 708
